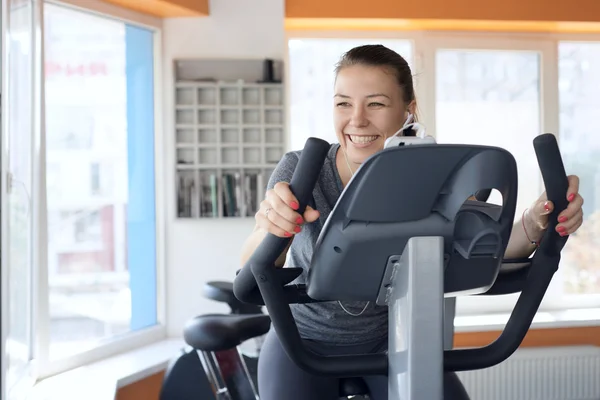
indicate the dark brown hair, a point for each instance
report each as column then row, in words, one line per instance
column 377, row 55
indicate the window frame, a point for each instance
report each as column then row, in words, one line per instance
column 4, row 309
column 425, row 45
column 44, row 367
column 28, row 373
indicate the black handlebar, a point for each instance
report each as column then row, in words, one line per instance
column 557, row 184
column 537, row 277
column 302, row 184
column 260, row 283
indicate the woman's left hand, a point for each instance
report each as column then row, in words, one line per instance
column 569, row 220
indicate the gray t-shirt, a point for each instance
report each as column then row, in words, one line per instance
column 327, row 321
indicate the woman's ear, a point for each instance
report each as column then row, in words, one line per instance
column 412, row 107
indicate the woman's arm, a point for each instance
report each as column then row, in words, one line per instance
column 520, row 242
column 532, row 225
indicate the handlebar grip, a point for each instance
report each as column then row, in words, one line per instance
column 307, row 171
column 557, row 184
column 302, row 183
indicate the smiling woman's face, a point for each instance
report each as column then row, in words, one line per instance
column 368, row 108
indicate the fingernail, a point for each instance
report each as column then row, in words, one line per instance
column 562, row 218
column 299, row 220
column 294, row 205
column 546, row 206
column 287, row 234
column 571, row 197
column 563, row 234
column 297, row 229
column 560, row 228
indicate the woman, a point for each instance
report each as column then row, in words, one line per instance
column 374, row 98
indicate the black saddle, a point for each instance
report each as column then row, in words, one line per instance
column 223, row 292
column 217, row 332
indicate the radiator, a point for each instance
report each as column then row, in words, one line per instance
column 563, row 373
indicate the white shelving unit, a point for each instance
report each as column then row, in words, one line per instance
column 229, row 137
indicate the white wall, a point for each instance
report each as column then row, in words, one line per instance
column 203, row 250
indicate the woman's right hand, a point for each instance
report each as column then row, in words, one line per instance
column 277, row 213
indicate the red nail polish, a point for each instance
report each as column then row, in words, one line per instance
column 294, row 205
column 571, row 197
column 560, row 228
column 563, row 234
column 287, row 234
column 297, row 229
column 546, row 206
column 299, row 220
column 562, row 218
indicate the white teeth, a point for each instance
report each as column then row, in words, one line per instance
column 362, row 139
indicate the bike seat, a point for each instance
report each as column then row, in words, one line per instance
column 353, row 387
column 216, row 332
column 223, row 291
column 220, row 291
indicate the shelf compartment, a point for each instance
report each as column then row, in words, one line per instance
column 250, row 116
column 273, row 96
column 274, row 135
column 184, row 136
column 251, row 96
column 206, row 116
column 230, row 117
column 251, row 135
column 252, row 155
column 184, row 96
column 230, row 135
column 207, row 155
column 230, row 96
column 184, row 117
column 185, row 157
column 273, row 117
column 207, row 135
column 207, row 96
column 273, row 154
column 230, row 155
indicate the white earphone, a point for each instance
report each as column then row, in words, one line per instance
column 410, row 124
column 407, row 124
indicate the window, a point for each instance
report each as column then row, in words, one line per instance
column 578, row 85
column 79, row 251
column 500, row 92
column 101, row 244
column 492, row 96
column 311, row 70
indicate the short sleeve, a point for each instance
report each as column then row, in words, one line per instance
column 284, row 170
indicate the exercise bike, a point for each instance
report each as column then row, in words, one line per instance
column 211, row 334
column 214, row 359
column 423, row 251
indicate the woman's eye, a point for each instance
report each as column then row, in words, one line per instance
column 376, row 105
column 343, row 104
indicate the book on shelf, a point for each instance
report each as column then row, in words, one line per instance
column 239, row 194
